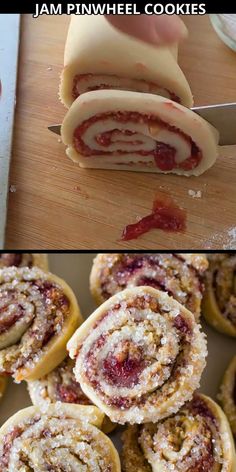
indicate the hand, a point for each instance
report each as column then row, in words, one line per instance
column 155, row 29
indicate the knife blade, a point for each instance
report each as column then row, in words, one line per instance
column 9, row 41
column 221, row 116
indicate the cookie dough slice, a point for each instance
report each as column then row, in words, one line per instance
column 118, row 130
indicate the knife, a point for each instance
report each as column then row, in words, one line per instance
column 9, row 46
column 221, row 116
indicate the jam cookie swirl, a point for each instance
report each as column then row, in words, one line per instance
column 98, row 56
column 64, row 437
column 139, row 356
column 39, row 313
column 120, row 130
column 227, row 395
column 219, row 301
column 195, row 439
column 60, row 385
column 180, row 277
column 23, row 260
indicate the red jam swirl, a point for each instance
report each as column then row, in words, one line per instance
column 83, row 77
column 164, row 155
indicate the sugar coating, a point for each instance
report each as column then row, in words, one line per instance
column 43, row 309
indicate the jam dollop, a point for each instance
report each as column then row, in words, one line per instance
column 165, row 215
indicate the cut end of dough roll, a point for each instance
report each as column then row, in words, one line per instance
column 123, row 130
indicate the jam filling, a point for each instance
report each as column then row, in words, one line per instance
column 83, row 77
column 123, row 368
column 164, row 155
column 166, row 215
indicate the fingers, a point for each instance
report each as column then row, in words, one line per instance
column 155, row 29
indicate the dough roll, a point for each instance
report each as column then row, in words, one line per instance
column 60, row 385
column 227, row 395
column 39, row 314
column 180, row 275
column 97, row 56
column 196, row 439
column 140, row 132
column 62, row 438
column 139, row 356
column 23, row 260
column 219, row 301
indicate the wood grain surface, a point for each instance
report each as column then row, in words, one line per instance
column 57, row 205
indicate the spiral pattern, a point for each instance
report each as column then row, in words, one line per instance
column 39, row 313
column 63, row 438
column 196, row 439
column 219, row 302
column 177, row 274
column 23, row 260
column 227, row 395
column 140, row 356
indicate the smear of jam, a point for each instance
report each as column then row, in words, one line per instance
column 166, row 215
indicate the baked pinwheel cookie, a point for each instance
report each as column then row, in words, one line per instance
column 175, row 274
column 60, row 386
column 196, row 439
column 227, row 395
column 219, row 302
column 39, row 314
column 23, row 260
column 139, row 356
column 111, row 129
column 62, row 438
column 98, row 56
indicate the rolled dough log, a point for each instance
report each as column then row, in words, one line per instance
column 97, row 56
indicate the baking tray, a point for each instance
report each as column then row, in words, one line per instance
column 75, row 269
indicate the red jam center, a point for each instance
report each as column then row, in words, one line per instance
column 166, row 215
column 164, row 155
column 123, row 369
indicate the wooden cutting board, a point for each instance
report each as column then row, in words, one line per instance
column 57, row 205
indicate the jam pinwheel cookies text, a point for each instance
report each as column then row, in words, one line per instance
column 39, row 313
column 62, row 438
column 139, row 356
column 219, row 301
column 173, row 273
column 196, row 439
column 24, row 260
column 120, row 130
column 98, row 56
column 60, row 386
column 227, row 395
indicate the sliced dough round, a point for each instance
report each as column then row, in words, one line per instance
column 139, row 132
column 99, row 56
